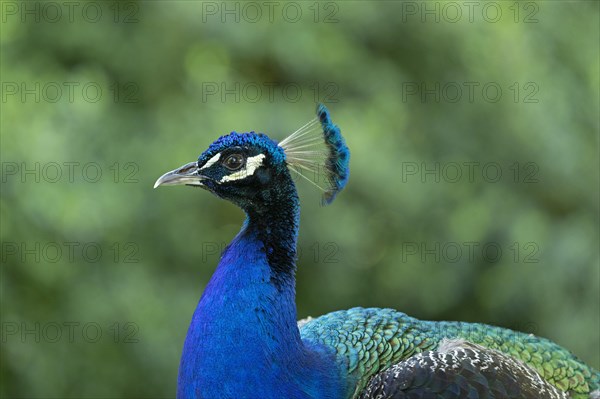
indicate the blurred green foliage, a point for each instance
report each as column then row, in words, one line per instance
column 144, row 87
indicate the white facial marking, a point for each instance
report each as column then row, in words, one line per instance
column 252, row 163
column 211, row 161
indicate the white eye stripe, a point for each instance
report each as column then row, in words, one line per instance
column 211, row 161
column 252, row 163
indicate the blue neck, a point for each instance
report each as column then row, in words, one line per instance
column 243, row 341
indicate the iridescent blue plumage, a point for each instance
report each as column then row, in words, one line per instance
column 244, row 342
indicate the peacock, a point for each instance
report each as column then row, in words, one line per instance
column 244, row 340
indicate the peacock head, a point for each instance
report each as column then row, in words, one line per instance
column 250, row 169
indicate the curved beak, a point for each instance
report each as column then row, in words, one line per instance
column 185, row 175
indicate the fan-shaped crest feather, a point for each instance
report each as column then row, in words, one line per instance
column 317, row 152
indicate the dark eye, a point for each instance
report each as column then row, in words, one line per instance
column 234, row 161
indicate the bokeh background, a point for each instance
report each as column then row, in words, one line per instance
column 474, row 188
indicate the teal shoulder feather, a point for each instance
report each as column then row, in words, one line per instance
column 367, row 341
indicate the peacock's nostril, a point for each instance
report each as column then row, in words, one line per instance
column 188, row 168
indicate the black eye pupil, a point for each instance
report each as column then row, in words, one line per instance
column 234, row 161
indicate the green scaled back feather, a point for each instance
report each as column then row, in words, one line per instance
column 367, row 341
